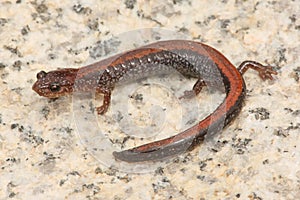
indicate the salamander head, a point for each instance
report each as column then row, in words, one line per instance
column 55, row 83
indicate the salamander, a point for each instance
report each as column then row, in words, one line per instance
column 189, row 58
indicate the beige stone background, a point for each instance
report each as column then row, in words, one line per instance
column 256, row 157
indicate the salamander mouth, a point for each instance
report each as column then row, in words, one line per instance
column 43, row 91
column 36, row 88
column 46, row 92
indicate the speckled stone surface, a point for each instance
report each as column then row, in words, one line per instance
column 256, row 157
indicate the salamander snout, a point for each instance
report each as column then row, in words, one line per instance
column 55, row 83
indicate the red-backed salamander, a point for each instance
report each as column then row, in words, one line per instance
column 192, row 59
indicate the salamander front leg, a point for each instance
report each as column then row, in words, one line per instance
column 188, row 94
column 106, row 102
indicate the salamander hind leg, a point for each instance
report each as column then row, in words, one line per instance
column 188, row 94
column 265, row 72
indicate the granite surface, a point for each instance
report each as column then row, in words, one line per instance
column 41, row 155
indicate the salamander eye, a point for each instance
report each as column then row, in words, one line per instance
column 41, row 74
column 54, row 87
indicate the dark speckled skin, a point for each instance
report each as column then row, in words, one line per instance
column 190, row 58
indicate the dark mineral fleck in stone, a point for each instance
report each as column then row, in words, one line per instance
column 25, row 30
column 130, row 3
